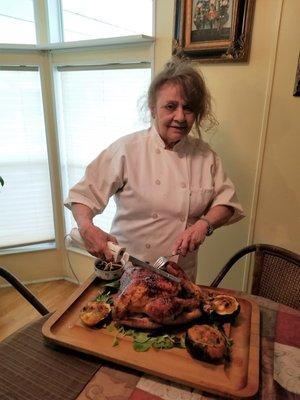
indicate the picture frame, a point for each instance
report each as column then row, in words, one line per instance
column 213, row 30
column 297, row 80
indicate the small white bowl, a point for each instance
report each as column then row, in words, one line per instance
column 114, row 271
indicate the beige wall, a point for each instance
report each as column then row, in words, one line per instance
column 33, row 266
column 257, row 138
column 258, row 134
column 278, row 209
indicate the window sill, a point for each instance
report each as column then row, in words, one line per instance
column 29, row 249
column 82, row 44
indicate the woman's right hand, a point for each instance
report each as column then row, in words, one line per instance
column 95, row 241
column 94, row 238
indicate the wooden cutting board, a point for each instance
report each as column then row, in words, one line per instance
column 237, row 379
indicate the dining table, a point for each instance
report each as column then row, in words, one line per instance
column 34, row 369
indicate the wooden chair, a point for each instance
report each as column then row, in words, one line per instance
column 18, row 285
column 276, row 273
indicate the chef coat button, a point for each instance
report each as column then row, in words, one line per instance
column 157, row 181
column 182, row 219
column 147, row 245
column 183, row 185
column 180, row 155
column 157, row 151
column 154, row 215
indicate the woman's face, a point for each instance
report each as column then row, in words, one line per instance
column 173, row 117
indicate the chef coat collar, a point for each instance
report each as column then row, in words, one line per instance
column 178, row 147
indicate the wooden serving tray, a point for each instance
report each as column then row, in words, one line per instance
column 237, row 379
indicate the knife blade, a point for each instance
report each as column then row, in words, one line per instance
column 139, row 263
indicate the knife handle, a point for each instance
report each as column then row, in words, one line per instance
column 117, row 251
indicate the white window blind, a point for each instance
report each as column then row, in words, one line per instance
column 25, row 200
column 17, row 22
column 92, row 19
column 96, row 107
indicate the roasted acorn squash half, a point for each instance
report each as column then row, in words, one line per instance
column 95, row 313
column 206, row 343
column 221, row 308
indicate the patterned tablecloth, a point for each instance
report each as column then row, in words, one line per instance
column 279, row 366
column 31, row 369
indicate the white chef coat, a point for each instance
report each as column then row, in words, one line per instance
column 158, row 192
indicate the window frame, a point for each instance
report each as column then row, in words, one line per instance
column 86, row 67
column 131, row 50
column 52, row 243
column 48, row 18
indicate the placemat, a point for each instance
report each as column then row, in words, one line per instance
column 32, row 370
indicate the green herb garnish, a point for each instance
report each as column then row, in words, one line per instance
column 105, row 297
column 229, row 342
column 115, row 341
column 143, row 341
column 113, row 284
column 110, row 327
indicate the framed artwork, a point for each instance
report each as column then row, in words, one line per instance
column 297, row 80
column 213, row 30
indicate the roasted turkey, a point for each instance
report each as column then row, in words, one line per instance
column 147, row 300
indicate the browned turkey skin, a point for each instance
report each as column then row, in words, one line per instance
column 147, row 300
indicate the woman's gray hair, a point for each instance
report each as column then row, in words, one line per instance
column 181, row 72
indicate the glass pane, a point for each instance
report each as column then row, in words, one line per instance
column 92, row 19
column 25, row 199
column 17, row 22
column 97, row 107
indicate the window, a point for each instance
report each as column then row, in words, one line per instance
column 97, row 106
column 86, row 99
column 17, row 22
column 92, row 19
column 26, row 203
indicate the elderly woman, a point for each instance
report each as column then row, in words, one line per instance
column 170, row 188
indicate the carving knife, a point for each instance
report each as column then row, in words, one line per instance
column 120, row 254
column 165, row 274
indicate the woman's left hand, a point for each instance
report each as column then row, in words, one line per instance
column 191, row 238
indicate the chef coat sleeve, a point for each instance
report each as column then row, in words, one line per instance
column 224, row 192
column 103, row 178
